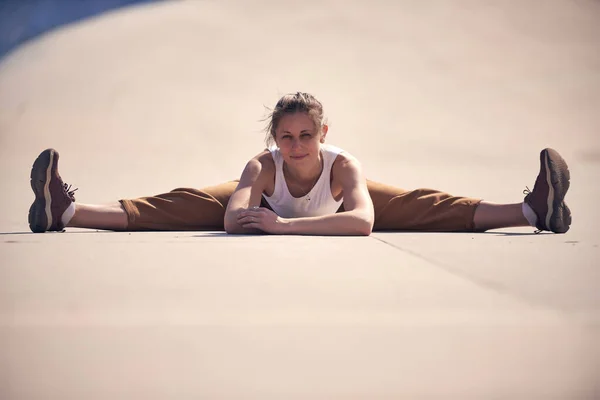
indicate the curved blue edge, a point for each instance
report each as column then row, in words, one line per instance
column 21, row 20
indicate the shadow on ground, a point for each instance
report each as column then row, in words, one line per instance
column 21, row 20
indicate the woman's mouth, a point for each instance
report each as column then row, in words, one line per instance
column 298, row 157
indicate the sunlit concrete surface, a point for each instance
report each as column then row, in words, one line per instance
column 455, row 95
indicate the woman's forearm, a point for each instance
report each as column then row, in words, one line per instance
column 355, row 223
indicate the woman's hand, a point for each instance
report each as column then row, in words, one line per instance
column 263, row 219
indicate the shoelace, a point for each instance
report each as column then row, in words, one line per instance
column 69, row 192
column 528, row 192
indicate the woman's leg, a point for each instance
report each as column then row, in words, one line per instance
column 420, row 210
column 431, row 210
column 495, row 216
column 543, row 207
column 180, row 209
column 109, row 216
column 54, row 206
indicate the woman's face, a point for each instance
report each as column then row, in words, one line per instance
column 298, row 139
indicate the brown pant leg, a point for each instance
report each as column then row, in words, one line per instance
column 180, row 209
column 420, row 210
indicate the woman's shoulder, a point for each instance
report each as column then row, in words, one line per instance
column 265, row 160
column 342, row 156
column 345, row 163
column 260, row 169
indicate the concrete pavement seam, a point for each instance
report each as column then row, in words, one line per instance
column 494, row 286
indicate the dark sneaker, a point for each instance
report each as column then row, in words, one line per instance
column 52, row 195
column 547, row 197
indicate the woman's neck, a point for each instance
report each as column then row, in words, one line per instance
column 306, row 176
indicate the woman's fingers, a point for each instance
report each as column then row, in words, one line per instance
column 250, row 219
column 257, row 217
column 248, row 214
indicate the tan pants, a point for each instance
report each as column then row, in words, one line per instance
column 395, row 209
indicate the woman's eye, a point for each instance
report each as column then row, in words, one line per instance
column 305, row 136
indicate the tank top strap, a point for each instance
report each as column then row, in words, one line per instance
column 279, row 178
column 330, row 153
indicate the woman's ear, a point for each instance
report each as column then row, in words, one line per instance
column 324, row 133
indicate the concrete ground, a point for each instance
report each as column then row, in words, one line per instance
column 456, row 95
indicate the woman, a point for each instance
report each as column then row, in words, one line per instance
column 301, row 185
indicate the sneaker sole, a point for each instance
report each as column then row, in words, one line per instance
column 563, row 221
column 40, row 212
column 558, row 218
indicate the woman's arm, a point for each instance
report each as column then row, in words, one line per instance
column 247, row 194
column 357, row 219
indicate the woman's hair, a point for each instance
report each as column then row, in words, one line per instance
column 290, row 104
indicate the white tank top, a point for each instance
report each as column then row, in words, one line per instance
column 321, row 200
